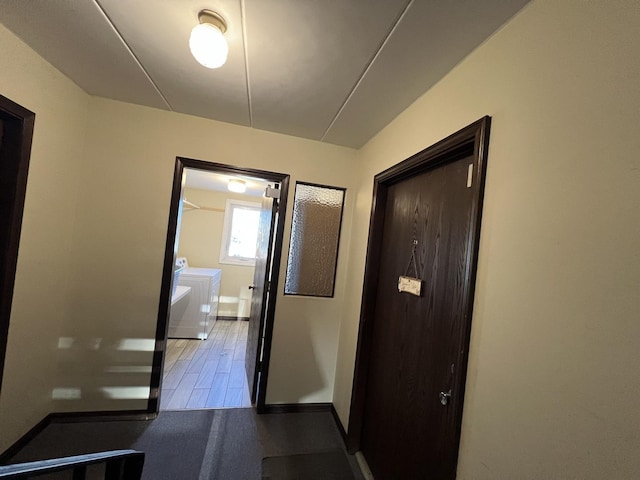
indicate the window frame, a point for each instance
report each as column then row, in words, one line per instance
column 230, row 206
column 288, row 291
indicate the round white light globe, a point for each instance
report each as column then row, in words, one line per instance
column 208, row 45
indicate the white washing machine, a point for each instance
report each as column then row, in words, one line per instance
column 197, row 319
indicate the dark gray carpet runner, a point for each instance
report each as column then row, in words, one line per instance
column 225, row 444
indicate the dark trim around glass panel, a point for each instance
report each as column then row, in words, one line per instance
column 335, row 266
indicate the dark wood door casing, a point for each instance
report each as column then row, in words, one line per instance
column 414, row 345
column 169, row 259
column 16, row 132
column 471, row 142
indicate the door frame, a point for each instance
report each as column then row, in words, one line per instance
column 472, row 140
column 15, row 154
column 169, row 260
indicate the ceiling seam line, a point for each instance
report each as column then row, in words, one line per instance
column 366, row 69
column 133, row 55
column 246, row 60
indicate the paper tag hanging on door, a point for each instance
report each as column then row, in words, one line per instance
column 410, row 285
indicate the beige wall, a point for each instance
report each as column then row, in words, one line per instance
column 199, row 241
column 552, row 389
column 40, row 295
column 119, row 247
column 93, row 242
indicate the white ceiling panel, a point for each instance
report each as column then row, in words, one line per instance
column 159, row 37
column 432, row 38
column 74, row 36
column 331, row 71
column 306, row 56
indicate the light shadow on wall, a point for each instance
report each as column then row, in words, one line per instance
column 106, row 373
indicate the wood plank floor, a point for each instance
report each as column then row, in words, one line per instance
column 207, row 373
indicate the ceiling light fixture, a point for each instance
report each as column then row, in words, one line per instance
column 238, row 186
column 207, row 43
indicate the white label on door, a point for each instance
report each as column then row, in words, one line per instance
column 410, row 285
column 470, row 175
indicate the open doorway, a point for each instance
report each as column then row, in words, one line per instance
column 216, row 311
column 211, row 297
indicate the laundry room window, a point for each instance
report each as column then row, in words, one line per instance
column 240, row 233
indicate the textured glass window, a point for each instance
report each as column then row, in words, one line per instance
column 315, row 233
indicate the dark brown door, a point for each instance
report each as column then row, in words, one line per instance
column 16, row 131
column 418, row 346
column 260, row 295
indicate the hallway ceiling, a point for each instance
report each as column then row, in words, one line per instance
column 331, row 71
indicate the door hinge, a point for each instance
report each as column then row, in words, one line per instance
column 470, row 175
column 271, row 192
column 267, row 286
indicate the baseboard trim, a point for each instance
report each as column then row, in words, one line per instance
column 101, row 416
column 336, row 418
column 73, row 417
column 233, row 319
column 297, row 407
column 11, row 452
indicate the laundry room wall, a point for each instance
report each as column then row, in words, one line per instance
column 200, row 239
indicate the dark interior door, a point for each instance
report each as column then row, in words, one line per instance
column 16, row 131
column 418, row 343
column 259, row 297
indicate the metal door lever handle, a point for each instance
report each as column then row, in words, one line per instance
column 445, row 397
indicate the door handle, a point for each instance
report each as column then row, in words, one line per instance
column 251, row 287
column 445, row 397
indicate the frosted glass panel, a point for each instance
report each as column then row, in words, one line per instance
column 315, row 232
